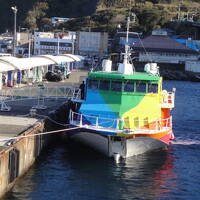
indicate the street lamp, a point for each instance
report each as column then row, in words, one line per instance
column 14, row 9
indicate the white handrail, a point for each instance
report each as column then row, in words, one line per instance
column 77, row 119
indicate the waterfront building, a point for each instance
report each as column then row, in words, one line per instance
column 163, row 49
column 54, row 43
column 56, row 21
column 92, row 43
column 6, row 43
column 120, row 40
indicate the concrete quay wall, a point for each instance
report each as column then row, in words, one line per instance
column 16, row 158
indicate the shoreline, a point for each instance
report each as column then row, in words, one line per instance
column 180, row 75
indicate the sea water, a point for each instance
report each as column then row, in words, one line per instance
column 73, row 172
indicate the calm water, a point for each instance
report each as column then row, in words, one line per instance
column 75, row 173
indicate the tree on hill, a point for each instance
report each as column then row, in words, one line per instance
column 35, row 15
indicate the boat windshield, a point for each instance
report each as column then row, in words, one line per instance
column 93, row 84
column 104, row 85
column 124, row 86
column 140, row 87
column 129, row 86
column 116, row 86
column 152, row 88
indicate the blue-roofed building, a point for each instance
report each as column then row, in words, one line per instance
column 120, row 40
column 161, row 48
column 187, row 41
column 58, row 20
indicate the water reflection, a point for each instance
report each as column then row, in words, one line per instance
column 77, row 172
column 148, row 176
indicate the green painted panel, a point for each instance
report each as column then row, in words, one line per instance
column 121, row 103
column 115, row 75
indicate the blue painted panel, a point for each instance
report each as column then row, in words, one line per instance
column 10, row 79
column 19, row 76
column 95, row 106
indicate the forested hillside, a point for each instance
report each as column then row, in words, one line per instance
column 96, row 15
column 37, row 10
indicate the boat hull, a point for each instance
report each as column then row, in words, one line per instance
column 125, row 147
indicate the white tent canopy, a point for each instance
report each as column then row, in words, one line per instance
column 28, row 63
column 24, row 63
column 9, row 63
column 4, row 67
column 58, row 59
column 76, row 58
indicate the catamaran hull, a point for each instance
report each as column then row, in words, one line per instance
column 111, row 145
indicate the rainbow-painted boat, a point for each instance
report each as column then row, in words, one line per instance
column 124, row 113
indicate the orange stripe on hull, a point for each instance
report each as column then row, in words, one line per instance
column 155, row 136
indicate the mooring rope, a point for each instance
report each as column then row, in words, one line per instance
column 43, row 133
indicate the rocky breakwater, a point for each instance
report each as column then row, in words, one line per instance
column 180, row 75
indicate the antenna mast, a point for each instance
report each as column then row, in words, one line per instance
column 126, row 67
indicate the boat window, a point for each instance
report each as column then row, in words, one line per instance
column 140, row 87
column 116, row 86
column 93, row 84
column 104, row 85
column 152, row 88
column 128, row 86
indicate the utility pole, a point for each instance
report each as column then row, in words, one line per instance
column 29, row 43
column 14, row 9
column 58, row 49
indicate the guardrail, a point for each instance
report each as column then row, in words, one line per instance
column 94, row 122
column 40, row 93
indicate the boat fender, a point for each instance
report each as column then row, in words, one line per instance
column 165, row 96
column 116, row 157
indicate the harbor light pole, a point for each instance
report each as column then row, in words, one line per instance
column 14, row 9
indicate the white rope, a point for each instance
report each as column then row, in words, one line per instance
column 44, row 133
column 52, row 120
column 44, row 116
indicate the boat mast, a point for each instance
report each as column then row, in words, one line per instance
column 126, row 67
column 126, row 55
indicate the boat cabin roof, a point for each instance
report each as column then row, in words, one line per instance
column 140, row 76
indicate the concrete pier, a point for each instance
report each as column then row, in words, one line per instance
column 18, row 154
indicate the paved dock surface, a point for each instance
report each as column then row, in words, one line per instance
column 18, row 120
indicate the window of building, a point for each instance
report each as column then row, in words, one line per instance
column 65, row 44
column 152, row 88
column 129, row 86
column 62, row 44
column 116, row 86
column 104, row 85
column 93, row 84
column 141, row 87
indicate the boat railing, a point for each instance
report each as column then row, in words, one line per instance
column 116, row 124
column 168, row 99
column 76, row 95
column 40, row 91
